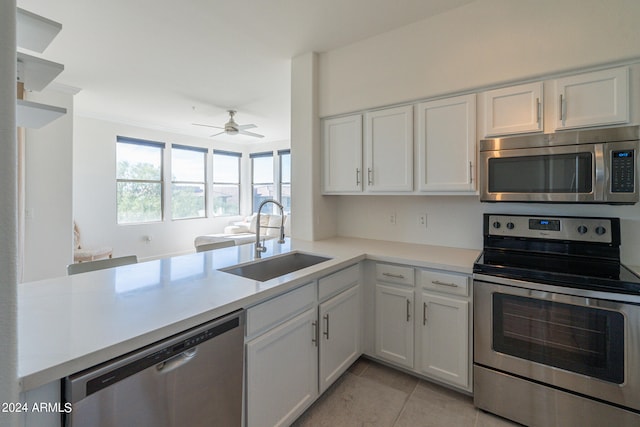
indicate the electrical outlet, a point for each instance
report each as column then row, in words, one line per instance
column 422, row 220
column 392, row 218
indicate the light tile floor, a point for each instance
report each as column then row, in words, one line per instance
column 372, row 395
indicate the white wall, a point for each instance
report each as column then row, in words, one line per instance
column 313, row 216
column 94, row 189
column 48, row 245
column 484, row 43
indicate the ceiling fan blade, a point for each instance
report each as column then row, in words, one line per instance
column 244, row 132
column 250, row 126
column 216, row 134
column 209, row 126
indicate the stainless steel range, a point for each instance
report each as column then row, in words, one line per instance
column 556, row 323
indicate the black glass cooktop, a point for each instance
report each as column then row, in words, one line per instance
column 563, row 270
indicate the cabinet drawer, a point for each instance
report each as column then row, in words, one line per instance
column 270, row 313
column 447, row 283
column 395, row 274
column 338, row 281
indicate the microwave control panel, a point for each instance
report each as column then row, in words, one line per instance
column 623, row 171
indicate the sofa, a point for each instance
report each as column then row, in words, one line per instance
column 245, row 231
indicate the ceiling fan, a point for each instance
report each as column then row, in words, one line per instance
column 232, row 128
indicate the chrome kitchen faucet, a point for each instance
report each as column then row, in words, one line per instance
column 260, row 247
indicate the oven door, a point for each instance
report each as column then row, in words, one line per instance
column 574, row 173
column 579, row 344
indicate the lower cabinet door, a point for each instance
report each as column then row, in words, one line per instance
column 340, row 338
column 445, row 339
column 394, row 324
column 282, row 372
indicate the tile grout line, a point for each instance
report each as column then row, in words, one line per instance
column 404, row 405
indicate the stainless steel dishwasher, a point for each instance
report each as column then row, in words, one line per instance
column 192, row 379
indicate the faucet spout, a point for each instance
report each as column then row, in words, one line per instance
column 260, row 247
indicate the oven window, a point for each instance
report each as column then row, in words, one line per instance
column 558, row 173
column 585, row 340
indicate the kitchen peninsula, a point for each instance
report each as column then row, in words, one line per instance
column 68, row 324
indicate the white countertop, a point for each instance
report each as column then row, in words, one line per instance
column 68, row 324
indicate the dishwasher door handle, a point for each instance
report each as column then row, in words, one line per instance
column 176, row 361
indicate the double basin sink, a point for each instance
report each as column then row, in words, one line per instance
column 276, row 266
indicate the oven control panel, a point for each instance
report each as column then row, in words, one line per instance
column 552, row 228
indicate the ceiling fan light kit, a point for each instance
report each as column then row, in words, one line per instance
column 232, row 128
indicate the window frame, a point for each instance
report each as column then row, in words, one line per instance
column 262, row 154
column 282, row 153
column 148, row 143
column 238, row 184
column 202, row 151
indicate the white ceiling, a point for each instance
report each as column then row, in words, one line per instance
column 165, row 64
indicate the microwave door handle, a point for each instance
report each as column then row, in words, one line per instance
column 600, row 172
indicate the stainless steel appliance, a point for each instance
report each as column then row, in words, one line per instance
column 556, row 323
column 592, row 166
column 189, row 380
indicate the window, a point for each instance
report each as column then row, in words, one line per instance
column 138, row 180
column 226, row 183
column 285, row 179
column 263, row 187
column 188, row 165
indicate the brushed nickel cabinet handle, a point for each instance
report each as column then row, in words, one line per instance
column 470, row 172
column 538, row 111
column 314, row 340
column 438, row 282
column 395, row 276
column 424, row 313
column 369, row 176
column 326, row 332
column 408, row 310
column 357, row 176
column 561, row 112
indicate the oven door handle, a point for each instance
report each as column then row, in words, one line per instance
column 600, row 172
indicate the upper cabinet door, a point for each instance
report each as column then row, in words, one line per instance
column 446, row 144
column 593, row 99
column 342, row 146
column 513, row 110
column 389, row 149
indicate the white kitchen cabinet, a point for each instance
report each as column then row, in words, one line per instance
column 592, row 99
column 389, row 150
column 444, row 328
column 514, row 109
column 340, row 338
column 282, row 372
column 342, row 155
column 444, row 351
column 394, row 324
column 446, row 144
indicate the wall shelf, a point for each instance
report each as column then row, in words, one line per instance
column 34, row 116
column 35, row 32
column 36, row 73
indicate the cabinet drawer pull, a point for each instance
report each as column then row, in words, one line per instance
column 326, row 332
column 424, row 313
column 408, row 310
column 470, row 172
column 314, row 339
column 438, row 282
column 395, row 276
column 369, row 176
column 539, row 112
column 357, row 176
column 561, row 112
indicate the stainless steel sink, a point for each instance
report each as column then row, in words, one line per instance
column 277, row 266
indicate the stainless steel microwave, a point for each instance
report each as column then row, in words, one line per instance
column 593, row 166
